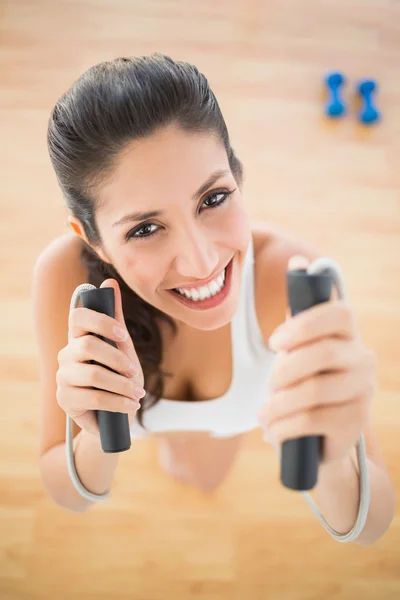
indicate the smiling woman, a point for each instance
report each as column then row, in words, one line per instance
column 162, row 148
column 154, row 194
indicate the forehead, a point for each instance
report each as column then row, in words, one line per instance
column 169, row 162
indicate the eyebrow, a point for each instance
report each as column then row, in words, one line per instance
column 142, row 216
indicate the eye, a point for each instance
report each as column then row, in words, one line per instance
column 224, row 195
column 142, row 228
column 136, row 233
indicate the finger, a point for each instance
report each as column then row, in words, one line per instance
column 333, row 318
column 329, row 354
column 90, row 347
column 298, row 261
column 83, row 321
column 94, row 399
column 98, row 377
column 323, row 389
column 323, row 420
column 88, row 421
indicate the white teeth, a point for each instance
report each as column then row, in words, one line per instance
column 195, row 294
column 206, row 291
column 215, row 286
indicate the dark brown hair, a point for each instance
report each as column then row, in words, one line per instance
column 109, row 106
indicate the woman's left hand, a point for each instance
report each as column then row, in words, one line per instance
column 322, row 381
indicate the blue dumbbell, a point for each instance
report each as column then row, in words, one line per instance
column 368, row 113
column 335, row 106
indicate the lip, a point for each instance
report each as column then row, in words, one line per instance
column 212, row 302
column 204, row 282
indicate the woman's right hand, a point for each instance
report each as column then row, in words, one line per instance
column 83, row 388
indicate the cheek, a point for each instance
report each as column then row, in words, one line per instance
column 237, row 225
column 143, row 276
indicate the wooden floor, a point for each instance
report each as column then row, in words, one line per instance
column 337, row 184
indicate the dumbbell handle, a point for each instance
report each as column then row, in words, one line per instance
column 335, row 106
column 334, row 94
column 300, row 457
column 113, row 426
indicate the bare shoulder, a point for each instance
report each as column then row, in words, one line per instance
column 61, row 257
column 57, row 272
column 272, row 250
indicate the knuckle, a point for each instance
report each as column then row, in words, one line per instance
column 127, row 361
column 129, row 387
column 61, row 355
column 331, row 352
column 74, row 316
column 106, row 326
column 346, row 315
column 342, row 308
column 302, row 329
column 94, row 375
column 138, row 378
column 98, row 399
column 60, row 398
column 277, row 371
column 127, row 405
column 86, row 343
column 59, row 377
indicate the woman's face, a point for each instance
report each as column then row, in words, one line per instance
column 196, row 228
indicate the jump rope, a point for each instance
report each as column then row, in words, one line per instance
column 299, row 458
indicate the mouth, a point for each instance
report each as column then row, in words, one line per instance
column 208, row 296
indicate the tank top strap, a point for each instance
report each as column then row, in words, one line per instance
column 247, row 339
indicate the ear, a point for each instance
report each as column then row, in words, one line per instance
column 77, row 228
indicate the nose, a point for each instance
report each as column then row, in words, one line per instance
column 196, row 256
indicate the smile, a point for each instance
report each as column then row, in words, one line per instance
column 207, row 296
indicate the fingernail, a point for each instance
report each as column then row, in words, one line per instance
column 136, row 404
column 120, row 333
column 132, row 371
column 140, row 392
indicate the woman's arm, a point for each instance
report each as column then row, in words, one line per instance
column 94, row 467
column 337, row 489
column 338, row 496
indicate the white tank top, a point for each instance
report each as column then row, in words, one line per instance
column 236, row 411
